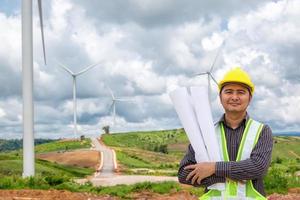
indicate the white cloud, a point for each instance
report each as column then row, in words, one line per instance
column 2, row 113
column 140, row 73
column 147, row 50
column 213, row 42
column 10, row 51
column 59, row 15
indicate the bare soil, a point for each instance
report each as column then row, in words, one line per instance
column 66, row 195
column 289, row 196
column 82, row 158
column 48, row 195
column 293, row 194
column 178, row 147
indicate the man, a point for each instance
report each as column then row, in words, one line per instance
column 246, row 146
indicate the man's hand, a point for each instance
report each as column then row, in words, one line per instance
column 200, row 171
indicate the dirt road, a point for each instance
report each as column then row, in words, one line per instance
column 108, row 177
column 108, row 166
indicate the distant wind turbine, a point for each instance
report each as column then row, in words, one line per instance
column 209, row 73
column 74, row 75
column 27, row 71
column 113, row 104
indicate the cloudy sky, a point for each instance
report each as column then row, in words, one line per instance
column 145, row 49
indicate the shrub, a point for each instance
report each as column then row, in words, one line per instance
column 278, row 160
column 5, row 183
column 55, row 180
column 163, row 148
column 165, row 187
column 276, row 181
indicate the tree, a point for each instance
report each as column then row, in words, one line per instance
column 106, row 129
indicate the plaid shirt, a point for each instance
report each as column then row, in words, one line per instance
column 253, row 168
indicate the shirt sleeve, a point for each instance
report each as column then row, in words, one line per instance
column 254, row 167
column 189, row 159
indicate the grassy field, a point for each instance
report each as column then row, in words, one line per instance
column 285, row 146
column 11, row 163
column 121, row 191
column 140, row 153
column 63, row 145
column 154, row 153
column 54, row 176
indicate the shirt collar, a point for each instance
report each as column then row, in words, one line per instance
column 245, row 120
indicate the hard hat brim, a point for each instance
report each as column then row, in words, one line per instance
column 248, row 87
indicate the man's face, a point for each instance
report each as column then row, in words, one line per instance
column 235, row 97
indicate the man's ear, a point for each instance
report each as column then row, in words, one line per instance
column 250, row 98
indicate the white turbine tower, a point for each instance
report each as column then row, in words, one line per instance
column 74, row 75
column 209, row 73
column 27, row 71
column 113, row 104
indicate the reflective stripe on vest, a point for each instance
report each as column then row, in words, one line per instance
column 237, row 190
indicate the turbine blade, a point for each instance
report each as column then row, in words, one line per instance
column 209, row 87
column 111, row 93
column 42, row 28
column 213, row 78
column 65, row 68
column 87, row 68
column 216, row 57
column 200, row 74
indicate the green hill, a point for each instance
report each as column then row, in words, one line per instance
column 15, row 144
column 176, row 142
column 11, row 162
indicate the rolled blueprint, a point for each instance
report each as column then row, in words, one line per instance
column 199, row 96
column 184, row 108
column 195, row 115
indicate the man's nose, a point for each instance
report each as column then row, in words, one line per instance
column 235, row 97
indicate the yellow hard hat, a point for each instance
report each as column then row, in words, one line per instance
column 237, row 75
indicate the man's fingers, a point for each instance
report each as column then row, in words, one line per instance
column 194, row 179
column 199, row 180
column 190, row 167
column 190, row 175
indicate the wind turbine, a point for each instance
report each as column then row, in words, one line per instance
column 27, row 79
column 113, row 104
column 209, row 73
column 74, row 75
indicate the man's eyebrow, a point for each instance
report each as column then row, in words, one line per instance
column 241, row 90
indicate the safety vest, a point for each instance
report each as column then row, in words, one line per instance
column 237, row 190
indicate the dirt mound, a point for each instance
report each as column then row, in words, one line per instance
column 82, row 158
column 293, row 194
column 284, row 197
column 184, row 195
column 48, row 195
column 66, row 195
